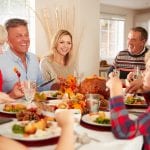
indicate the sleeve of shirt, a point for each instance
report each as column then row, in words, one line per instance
column 44, row 66
column 147, row 97
column 111, row 68
column 47, row 70
column 122, row 126
column 40, row 81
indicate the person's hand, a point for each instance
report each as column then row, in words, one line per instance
column 65, row 118
column 131, row 77
column 134, row 86
column 4, row 98
column 115, row 85
column 7, row 144
column 17, row 91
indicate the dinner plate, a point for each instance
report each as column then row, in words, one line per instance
column 49, row 107
column 54, row 102
column 52, row 94
column 10, row 112
column 136, row 105
column 51, row 132
column 89, row 119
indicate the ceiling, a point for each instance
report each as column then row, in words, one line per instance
column 132, row 4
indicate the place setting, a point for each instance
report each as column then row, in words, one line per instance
column 95, row 118
column 31, row 127
column 135, row 101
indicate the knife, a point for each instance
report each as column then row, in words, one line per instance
column 45, row 83
column 5, row 120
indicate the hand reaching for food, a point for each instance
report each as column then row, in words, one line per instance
column 5, row 98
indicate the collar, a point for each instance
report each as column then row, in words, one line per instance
column 144, row 49
column 15, row 57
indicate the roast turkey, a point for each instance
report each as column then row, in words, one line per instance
column 94, row 85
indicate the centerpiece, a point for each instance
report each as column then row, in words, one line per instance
column 72, row 99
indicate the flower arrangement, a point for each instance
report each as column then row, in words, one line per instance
column 69, row 88
column 69, row 85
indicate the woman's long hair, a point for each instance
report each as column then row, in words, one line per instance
column 54, row 44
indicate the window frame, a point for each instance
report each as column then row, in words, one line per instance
column 110, row 55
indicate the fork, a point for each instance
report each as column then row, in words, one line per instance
column 83, row 139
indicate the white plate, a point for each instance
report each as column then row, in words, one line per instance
column 89, row 119
column 50, row 93
column 7, row 112
column 51, row 132
column 138, row 105
column 76, row 113
column 54, row 102
column 51, row 103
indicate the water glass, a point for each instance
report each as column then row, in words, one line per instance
column 93, row 102
column 29, row 88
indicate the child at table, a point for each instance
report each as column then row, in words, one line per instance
column 122, row 126
column 66, row 140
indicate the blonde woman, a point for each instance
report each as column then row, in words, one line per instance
column 57, row 64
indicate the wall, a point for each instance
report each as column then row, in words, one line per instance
column 87, row 23
column 127, row 13
column 143, row 19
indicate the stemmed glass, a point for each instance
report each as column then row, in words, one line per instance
column 29, row 88
column 137, row 73
column 78, row 76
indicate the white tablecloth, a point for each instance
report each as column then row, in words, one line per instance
column 107, row 141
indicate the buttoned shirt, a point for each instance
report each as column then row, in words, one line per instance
column 9, row 61
column 125, row 128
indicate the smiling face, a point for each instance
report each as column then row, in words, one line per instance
column 64, row 45
column 146, row 76
column 135, row 43
column 18, row 39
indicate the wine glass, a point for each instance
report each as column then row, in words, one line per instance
column 78, row 76
column 29, row 88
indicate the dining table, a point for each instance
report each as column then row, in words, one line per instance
column 89, row 137
column 100, row 139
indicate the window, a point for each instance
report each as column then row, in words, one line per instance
column 20, row 9
column 111, row 36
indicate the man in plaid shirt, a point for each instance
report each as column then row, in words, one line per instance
column 122, row 126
